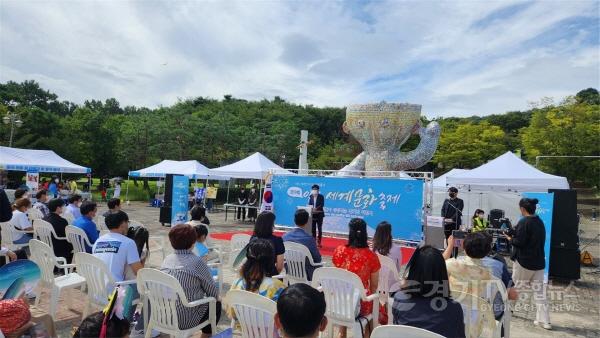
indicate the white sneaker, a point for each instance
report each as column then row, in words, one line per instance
column 546, row 326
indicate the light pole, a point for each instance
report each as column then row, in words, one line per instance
column 14, row 119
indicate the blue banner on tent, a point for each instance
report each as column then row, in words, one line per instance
column 544, row 209
column 398, row 201
column 179, row 206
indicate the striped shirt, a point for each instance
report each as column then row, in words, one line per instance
column 197, row 282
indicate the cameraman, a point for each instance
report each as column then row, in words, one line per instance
column 528, row 238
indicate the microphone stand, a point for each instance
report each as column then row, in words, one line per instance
column 455, row 250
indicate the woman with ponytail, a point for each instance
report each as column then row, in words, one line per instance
column 356, row 257
column 528, row 239
column 255, row 272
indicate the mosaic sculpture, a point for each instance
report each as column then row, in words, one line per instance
column 381, row 129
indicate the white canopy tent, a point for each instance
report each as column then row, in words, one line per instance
column 255, row 166
column 507, row 173
column 192, row 169
column 47, row 161
column 497, row 184
column 441, row 182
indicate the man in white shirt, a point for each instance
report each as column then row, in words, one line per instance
column 73, row 207
column 117, row 250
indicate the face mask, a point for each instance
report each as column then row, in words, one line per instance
column 451, row 194
column 315, row 192
column 56, row 180
column 480, row 216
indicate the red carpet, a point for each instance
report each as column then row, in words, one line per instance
column 329, row 243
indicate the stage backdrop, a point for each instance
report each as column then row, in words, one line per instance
column 544, row 210
column 398, row 201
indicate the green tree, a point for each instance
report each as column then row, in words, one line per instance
column 469, row 145
column 571, row 128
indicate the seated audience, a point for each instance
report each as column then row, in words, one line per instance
column 62, row 248
column 301, row 312
column 471, row 273
column 356, row 257
column 118, row 251
column 20, row 221
column 300, row 236
column 86, row 222
column 114, row 206
column 254, row 273
column 426, row 286
column 41, row 200
column 75, row 206
column 384, row 245
column 194, row 275
column 21, row 193
column 263, row 228
column 12, row 255
column 92, row 325
column 201, row 248
column 478, row 221
column 198, row 214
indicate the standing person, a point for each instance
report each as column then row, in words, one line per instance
column 44, row 184
column 300, row 236
column 317, row 202
column 62, row 248
column 356, row 257
column 452, row 212
column 117, row 192
column 73, row 186
column 86, row 222
column 478, row 221
column 53, row 187
column 242, row 200
column 263, row 228
column 41, row 198
column 252, row 202
column 528, row 239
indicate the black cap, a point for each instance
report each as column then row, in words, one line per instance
column 315, row 186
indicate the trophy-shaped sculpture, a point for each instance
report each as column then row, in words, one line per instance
column 381, row 129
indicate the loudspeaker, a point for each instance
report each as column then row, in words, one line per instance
column 494, row 217
column 165, row 215
column 168, row 198
column 565, row 222
column 565, row 263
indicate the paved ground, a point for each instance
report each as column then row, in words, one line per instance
column 574, row 306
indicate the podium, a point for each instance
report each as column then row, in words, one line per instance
column 308, row 227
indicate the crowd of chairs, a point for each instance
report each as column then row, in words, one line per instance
column 254, row 313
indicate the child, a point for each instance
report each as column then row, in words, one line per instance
column 201, row 249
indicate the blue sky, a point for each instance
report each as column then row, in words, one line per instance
column 453, row 57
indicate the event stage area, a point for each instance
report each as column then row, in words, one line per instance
column 574, row 308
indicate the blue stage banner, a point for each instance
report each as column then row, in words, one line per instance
column 398, row 201
column 179, row 209
column 544, row 209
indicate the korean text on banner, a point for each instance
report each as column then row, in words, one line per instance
column 179, row 206
column 398, row 201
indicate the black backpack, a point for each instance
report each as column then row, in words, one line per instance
column 141, row 237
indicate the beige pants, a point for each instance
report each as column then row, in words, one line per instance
column 533, row 279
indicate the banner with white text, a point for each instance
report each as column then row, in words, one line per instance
column 398, row 201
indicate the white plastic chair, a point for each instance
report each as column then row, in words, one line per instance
column 6, row 231
column 43, row 255
column 100, row 282
column 238, row 242
column 34, row 214
column 295, row 256
column 387, row 272
column 494, row 287
column 343, row 290
column 77, row 237
column 478, row 315
column 254, row 312
column 163, row 291
column 44, row 231
column 404, row 331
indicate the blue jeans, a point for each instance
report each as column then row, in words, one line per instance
column 24, row 239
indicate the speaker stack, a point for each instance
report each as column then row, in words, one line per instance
column 564, row 243
column 165, row 210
